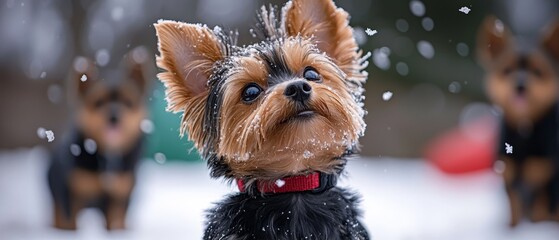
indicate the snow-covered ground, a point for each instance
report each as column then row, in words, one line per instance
column 402, row 199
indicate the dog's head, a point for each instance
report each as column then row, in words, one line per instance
column 111, row 99
column 288, row 104
column 521, row 76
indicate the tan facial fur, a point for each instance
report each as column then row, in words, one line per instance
column 251, row 134
column 497, row 52
column 99, row 95
column 263, row 138
column 92, row 120
column 540, row 94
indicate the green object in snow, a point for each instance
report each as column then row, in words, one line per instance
column 165, row 137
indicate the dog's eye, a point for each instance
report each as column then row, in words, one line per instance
column 99, row 103
column 311, row 74
column 537, row 72
column 251, row 92
column 128, row 103
column 507, row 71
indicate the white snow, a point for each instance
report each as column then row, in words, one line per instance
column 54, row 93
column 426, row 49
column 102, row 57
column 508, row 148
column 454, row 87
column 499, row 26
column 427, row 24
column 75, row 150
column 387, row 95
column 402, row 68
column 83, row 78
column 360, row 35
column 80, row 64
column 90, row 146
column 160, row 158
column 41, row 133
column 50, row 135
column 370, row 32
column 117, row 13
column 465, row 10
column 307, row 154
column 146, row 126
column 410, row 200
column 462, row 49
column 499, row 166
column 280, row 183
column 381, row 58
column 417, row 8
column 402, row 25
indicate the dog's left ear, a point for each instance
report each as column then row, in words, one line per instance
column 140, row 68
column 551, row 40
column 328, row 26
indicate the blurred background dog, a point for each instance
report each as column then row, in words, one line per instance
column 94, row 165
column 522, row 79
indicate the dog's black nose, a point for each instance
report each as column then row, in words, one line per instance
column 113, row 119
column 298, row 91
column 521, row 82
column 113, row 114
column 520, row 88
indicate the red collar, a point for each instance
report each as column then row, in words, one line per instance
column 315, row 182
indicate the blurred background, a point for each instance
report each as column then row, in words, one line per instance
column 423, row 82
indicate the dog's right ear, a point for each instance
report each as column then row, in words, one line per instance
column 551, row 40
column 187, row 54
column 140, row 67
column 493, row 38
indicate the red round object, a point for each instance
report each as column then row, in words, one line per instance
column 465, row 149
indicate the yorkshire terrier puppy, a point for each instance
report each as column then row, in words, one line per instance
column 94, row 165
column 522, row 79
column 279, row 117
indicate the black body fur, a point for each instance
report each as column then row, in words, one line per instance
column 541, row 141
column 63, row 162
column 331, row 214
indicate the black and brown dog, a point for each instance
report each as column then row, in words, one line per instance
column 522, row 79
column 94, row 166
column 280, row 117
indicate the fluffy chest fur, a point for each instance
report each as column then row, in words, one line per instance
column 328, row 215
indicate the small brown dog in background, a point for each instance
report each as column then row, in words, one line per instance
column 522, row 79
column 95, row 163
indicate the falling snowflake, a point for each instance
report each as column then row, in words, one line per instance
column 41, row 133
column 499, row 166
column 160, row 158
column 387, row 95
column 50, row 135
column 90, row 146
column 508, row 148
column 381, row 58
column 75, row 149
column 465, row 10
column 417, row 8
column 83, row 78
column 426, row 49
column 146, row 126
column 370, row 32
